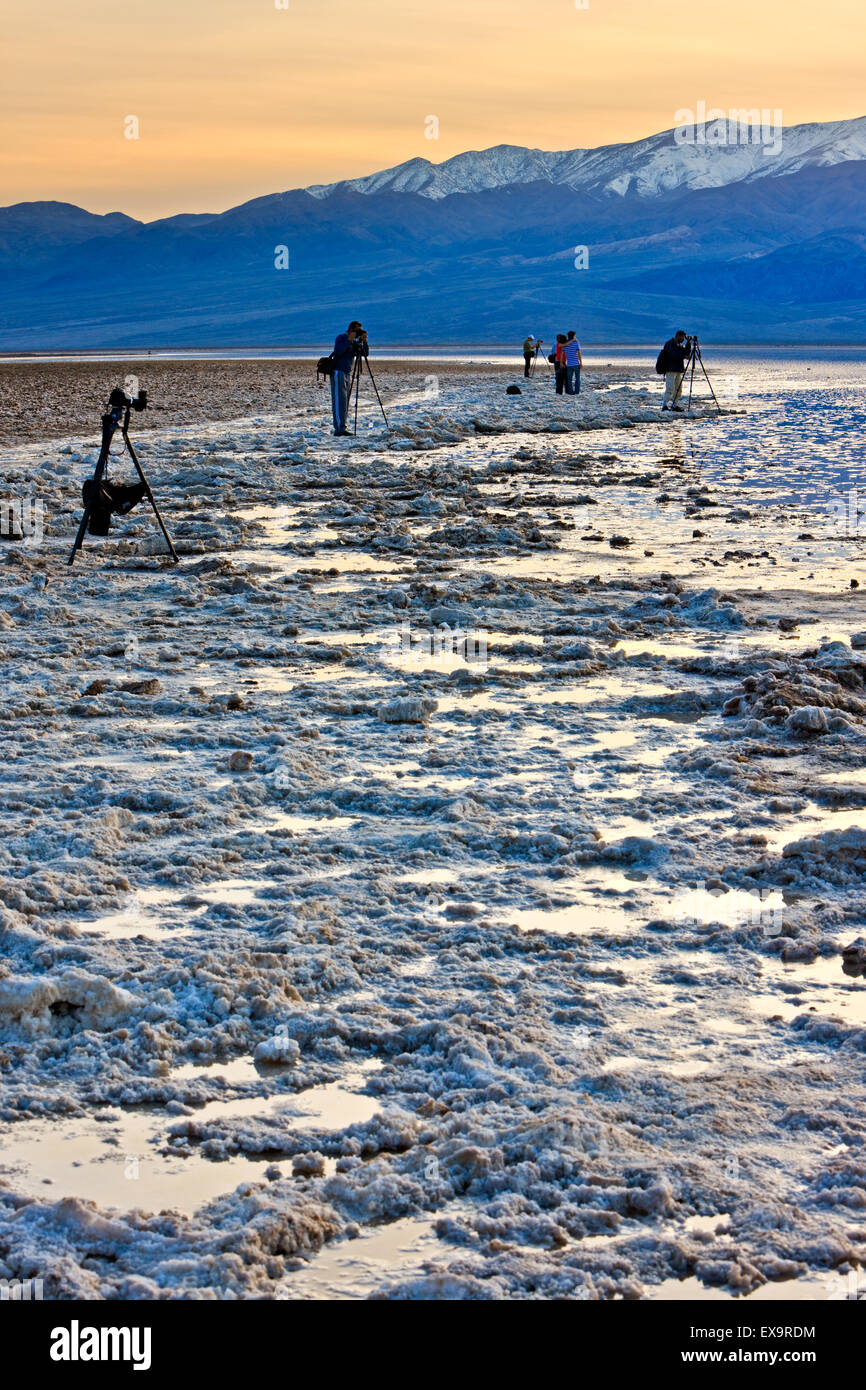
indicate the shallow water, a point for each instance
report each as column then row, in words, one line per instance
column 118, row 1157
column 370, row 902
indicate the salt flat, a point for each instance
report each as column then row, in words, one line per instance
column 412, row 894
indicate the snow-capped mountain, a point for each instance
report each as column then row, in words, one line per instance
column 758, row 242
column 695, row 154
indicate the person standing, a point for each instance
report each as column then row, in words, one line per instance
column 671, row 364
column 559, row 363
column 530, row 349
column 343, row 358
column 573, row 363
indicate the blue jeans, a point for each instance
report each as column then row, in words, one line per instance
column 572, row 381
column 339, row 400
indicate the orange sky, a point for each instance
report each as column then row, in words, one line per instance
column 236, row 98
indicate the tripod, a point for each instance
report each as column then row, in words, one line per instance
column 538, row 347
column 355, row 383
column 695, row 359
column 117, row 417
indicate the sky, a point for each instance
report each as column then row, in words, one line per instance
column 238, row 98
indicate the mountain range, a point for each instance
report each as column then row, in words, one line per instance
column 744, row 242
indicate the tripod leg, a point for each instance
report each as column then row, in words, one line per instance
column 150, row 497
column 709, row 383
column 378, row 397
column 692, row 381
column 109, row 425
column 82, row 530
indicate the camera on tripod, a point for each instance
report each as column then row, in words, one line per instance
column 104, row 499
column 694, row 358
column 118, row 401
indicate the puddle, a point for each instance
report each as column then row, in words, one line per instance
column 853, row 775
column 442, row 780
column 278, row 680
column 622, row 900
column 136, row 767
column 686, row 1068
column 572, row 695
column 613, row 738
column 419, row 657
column 707, row 1225
column 539, row 776
column 356, row 1268
column 330, row 1107
column 235, row 1072
column 510, row 639
column 675, row 716
column 815, row 822
column 115, row 1163
column 564, row 689
column 736, row 908
column 322, row 565
column 646, row 757
column 821, row 986
column 820, row 1286
column 145, row 915
column 575, row 919
column 302, row 825
column 112, row 1157
column 668, row 650
column 130, row 922
column 509, row 700
column 427, row 876
column 421, row 966
column 230, row 890
column 345, row 638
column 626, row 827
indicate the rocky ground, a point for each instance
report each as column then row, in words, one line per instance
column 50, row 400
column 447, row 881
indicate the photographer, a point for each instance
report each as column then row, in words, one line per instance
column 349, row 345
column 530, row 352
column 671, row 364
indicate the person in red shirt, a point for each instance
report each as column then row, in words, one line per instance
column 559, row 363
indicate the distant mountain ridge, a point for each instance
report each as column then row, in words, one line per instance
column 747, row 246
column 644, row 167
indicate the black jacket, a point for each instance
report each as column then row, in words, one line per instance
column 672, row 357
